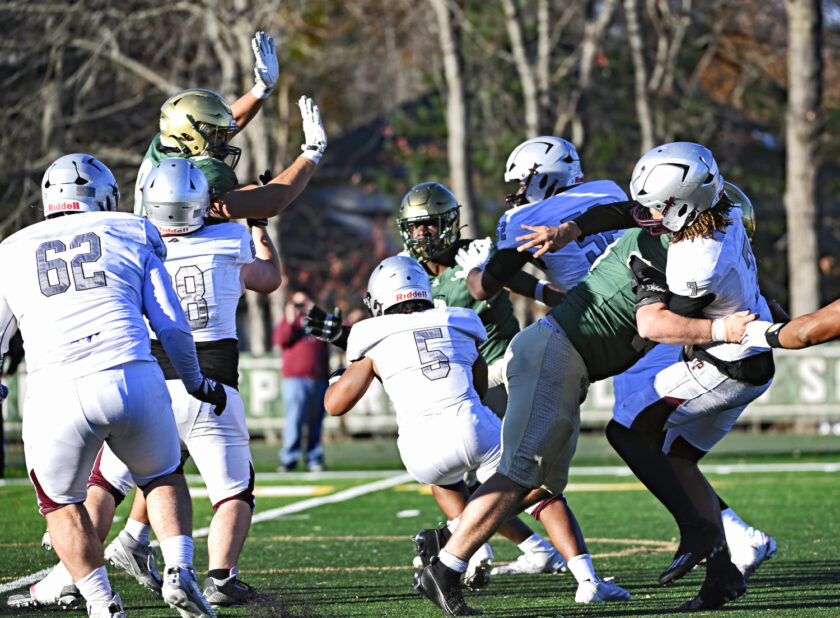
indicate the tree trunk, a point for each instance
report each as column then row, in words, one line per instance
column 803, row 130
column 524, row 67
column 643, row 110
column 457, row 117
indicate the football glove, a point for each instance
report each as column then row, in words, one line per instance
column 314, row 136
column 474, row 255
column 322, row 325
column 755, row 335
column 266, row 67
column 211, row 392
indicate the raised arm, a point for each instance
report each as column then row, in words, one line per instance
column 263, row 274
column 266, row 73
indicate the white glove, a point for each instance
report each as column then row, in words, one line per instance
column 474, row 255
column 266, row 68
column 755, row 335
column 313, row 130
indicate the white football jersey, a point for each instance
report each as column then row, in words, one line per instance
column 425, row 359
column 723, row 266
column 74, row 285
column 564, row 268
column 205, row 270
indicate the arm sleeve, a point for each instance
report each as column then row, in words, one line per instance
column 169, row 323
column 690, row 306
column 606, row 217
column 505, row 263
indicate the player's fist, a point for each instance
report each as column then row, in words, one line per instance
column 211, row 392
column 314, row 136
column 266, row 67
column 322, row 325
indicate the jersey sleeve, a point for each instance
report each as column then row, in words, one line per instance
column 219, row 174
column 467, row 321
column 691, row 269
column 363, row 336
column 247, row 249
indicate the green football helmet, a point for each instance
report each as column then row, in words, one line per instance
column 740, row 199
column 429, row 201
column 199, row 123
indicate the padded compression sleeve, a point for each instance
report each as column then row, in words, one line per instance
column 690, row 306
column 170, row 324
column 505, row 263
column 606, row 217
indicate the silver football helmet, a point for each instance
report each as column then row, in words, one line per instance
column 176, row 197
column 679, row 180
column 741, row 201
column 545, row 165
column 78, row 183
column 395, row 280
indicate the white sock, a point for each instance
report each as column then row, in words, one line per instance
column 452, row 524
column 733, row 526
column 534, row 543
column 453, row 562
column 95, row 587
column 138, row 530
column 177, row 550
column 52, row 584
column 581, row 567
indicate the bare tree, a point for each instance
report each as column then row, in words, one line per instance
column 803, row 130
column 644, row 114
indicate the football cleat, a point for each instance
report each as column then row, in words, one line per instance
column 181, row 591
column 703, row 541
column 441, row 586
column 532, row 563
column 429, row 542
column 137, row 559
column 67, row 597
column 477, row 574
column 749, row 556
column 719, row 588
column 600, row 591
column 113, row 609
column 229, row 592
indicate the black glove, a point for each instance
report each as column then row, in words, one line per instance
column 649, row 284
column 212, row 392
column 266, row 176
column 322, row 325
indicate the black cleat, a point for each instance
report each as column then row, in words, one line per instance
column 719, row 588
column 442, row 586
column 704, row 542
column 429, row 542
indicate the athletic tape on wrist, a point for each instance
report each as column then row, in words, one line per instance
column 718, row 330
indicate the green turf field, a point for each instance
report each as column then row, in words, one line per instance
column 352, row 556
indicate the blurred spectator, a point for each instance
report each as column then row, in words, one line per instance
column 305, row 371
column 8, row 369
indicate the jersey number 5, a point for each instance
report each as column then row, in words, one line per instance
column 60, row 282
column 435, row 362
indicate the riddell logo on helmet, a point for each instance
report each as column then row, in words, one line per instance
column 410, row 295
column 62, row 206
column 170, row 231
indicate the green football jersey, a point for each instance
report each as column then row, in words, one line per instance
column 219, row 174
column 598, row 314
column 449, row 289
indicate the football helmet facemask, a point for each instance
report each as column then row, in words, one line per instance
column 197, row 123
column 740, row 200
column 679, row 180
column 396, row 280
column 78, row 183
column 176, row 197
column 429, row 201
column 544, row 166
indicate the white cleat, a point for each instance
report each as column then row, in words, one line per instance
column 601, row 591
column 180, row 590
column 67, row 597
column 477, row 574
column 112, row 609
column 137, row 559
column 532, row 563
column 750, row 555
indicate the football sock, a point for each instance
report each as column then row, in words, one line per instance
column 644, row 456
column 95, row 587
column 452, row 524
column 55, row 580
column 453, row 562
column 219, row 574
column 138, row 530
column 581, row 567
column 177, row 550
column 733, row 527
column 534, row 543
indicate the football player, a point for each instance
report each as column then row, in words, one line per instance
column 591, row 335
column 92, row 377
column 199, row 124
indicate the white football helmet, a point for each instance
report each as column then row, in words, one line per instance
column 546, row 165
column 395, row 280
column 78, row 183
column 176, row 197
column 679, row 180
